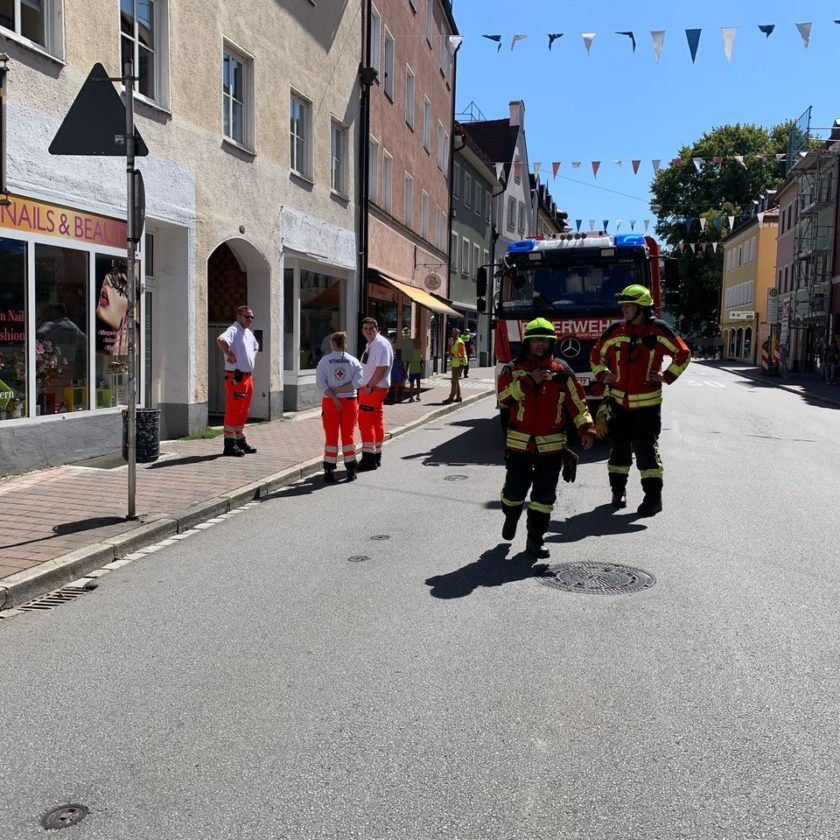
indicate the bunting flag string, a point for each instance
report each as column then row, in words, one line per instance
column 728, row 35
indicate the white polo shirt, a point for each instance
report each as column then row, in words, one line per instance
column 243, row 345
column 378, row 353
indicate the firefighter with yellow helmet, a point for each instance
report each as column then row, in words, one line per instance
column 542, row 394
column 627, row 360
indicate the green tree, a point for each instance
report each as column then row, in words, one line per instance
column 713, row 190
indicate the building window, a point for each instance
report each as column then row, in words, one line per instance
column 477, row 194
column 465, row 257
column 456, row 180
column 389, row 65
column 373, row 170
column 440, row 134
column 375, row 39
column 467, row 189
column 511, row 213
column 387, row 181
column 453, row 250
column 427, row 124
column 338, row 157
column 476, row 258
column 486, row 257
column 409, row 96
column 430, row 20
column 488, row 199
column 143, row 39
column 408, row 200
column 37, row 21
column 522, row 217
column 424, row 216
column 237, row 87
column 444, row 54
column 300, row 133
column 438, row 226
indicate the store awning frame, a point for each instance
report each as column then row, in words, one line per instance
column 419, row 296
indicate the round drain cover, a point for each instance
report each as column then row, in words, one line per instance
column 358, row 558
column 64, row 816
column 596, row 578
column 455, row 477
column 381, row 537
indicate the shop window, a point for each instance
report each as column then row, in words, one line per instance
column 288, row 319
column 320, row 315
column 112, row 333
column 13, row 366
column 61, row 336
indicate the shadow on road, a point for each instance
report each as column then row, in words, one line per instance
column 481, row 443
column 602, row 521
column 493, row 568
column 304, row 488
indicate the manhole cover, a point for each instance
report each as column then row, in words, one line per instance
column 65, row 816
column 455, row 477
column 596, row 578
column 358, row 558
column 381, row 537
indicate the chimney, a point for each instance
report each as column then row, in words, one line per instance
column 517, row 113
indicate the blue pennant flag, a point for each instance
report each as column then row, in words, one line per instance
column 767, row 28
column 553, row 38
column 693, row 36
column 496, row 38
column 631, row 36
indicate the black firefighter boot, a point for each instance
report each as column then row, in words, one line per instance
column 329, row 473
column 378, row 459
column 351, row 467
column 652, row 502
column 368, row 462
column 512, row 514
column 232, row 449
column 537, row 526
column 242, row 444
column 618, row 485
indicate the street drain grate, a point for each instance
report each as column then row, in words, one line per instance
column 380, row 537
column 596, row 578
column 64, row 816
column 55, row 599
column 358, row 558
column 455, row 477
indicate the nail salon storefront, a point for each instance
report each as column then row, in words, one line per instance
column 63, row 334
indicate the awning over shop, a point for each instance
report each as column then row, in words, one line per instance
column 417, row 295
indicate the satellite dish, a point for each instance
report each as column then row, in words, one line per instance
column 432, row 282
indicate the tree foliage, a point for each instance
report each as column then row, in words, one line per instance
column 713, row 191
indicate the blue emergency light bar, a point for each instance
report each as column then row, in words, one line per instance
column 522, row 245
column 629, row 240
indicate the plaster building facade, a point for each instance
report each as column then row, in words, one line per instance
column 250, row 196
column 412, row 49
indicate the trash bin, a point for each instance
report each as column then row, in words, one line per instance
column 147, row 436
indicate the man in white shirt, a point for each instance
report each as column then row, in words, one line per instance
column 376, row 382
column 240, row 347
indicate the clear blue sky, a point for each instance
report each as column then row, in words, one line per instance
column 615, row 104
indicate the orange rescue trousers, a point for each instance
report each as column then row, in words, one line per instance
column 237, row 404
column 341, row 420
column 371, row 421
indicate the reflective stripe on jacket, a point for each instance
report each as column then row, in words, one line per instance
column 633, row 352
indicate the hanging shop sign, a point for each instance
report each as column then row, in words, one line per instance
column 28, row 216
column 739, row 315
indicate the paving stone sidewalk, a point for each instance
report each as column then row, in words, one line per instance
column 59, row 523
column 809, row 386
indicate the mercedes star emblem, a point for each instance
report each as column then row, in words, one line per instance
column 570, row 347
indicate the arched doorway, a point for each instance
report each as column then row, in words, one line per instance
column 237, row 273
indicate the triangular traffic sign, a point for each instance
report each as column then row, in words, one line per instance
column 95, row 123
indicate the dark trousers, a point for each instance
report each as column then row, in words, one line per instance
column 540, row 474
column 636, row 432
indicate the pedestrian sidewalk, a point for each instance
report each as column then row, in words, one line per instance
column 807, row 385
column 62, row 522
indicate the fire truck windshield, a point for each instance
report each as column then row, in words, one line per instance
column 566, row 288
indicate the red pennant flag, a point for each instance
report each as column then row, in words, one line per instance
column 676, row 162
column 718, row 160
column 517, row 169
column 555, row 167
column 596, row 165
column 636, row 165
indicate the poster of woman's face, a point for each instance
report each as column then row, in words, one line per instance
column 112, row 308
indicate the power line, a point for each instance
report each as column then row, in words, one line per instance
column 605, row 189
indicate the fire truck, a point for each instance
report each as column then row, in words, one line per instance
column 572, row 280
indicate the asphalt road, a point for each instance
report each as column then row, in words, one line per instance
column 261, row 680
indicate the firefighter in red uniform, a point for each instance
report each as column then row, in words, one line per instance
column 541, row 393
column 627, row 360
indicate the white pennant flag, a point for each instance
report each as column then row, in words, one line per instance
column 656, row 165
column 698, row 163
column 760, row 218
column 714, row 246
column 617, row 162
column 702, row 224
column 693, row 247
column 805, row 32
column 592, row 224
column 515, row 39
column 728, row 33
column 617, row 225
column 537, row 169
column 500, row 168
column 575, row 164
column 731, row 222
column 740, row 159
column 647, row 223
column 658, row 41
column 781, row 157
column 588, row 38
column 455, row 41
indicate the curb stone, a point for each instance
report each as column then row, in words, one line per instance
column 28, row 584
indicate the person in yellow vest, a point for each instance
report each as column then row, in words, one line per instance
column 457, row 361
